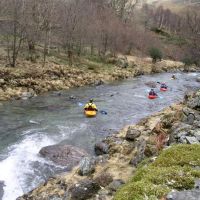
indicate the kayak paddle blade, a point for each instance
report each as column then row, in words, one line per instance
column 80, row 104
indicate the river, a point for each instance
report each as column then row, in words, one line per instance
column 28, row 125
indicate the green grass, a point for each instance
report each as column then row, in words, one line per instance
column 176, row 40
column 173, row 169
column 95, row 58
column 93, row 63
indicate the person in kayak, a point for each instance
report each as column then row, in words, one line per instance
column 173, row 76
column 152, row 93
column 163, row 85
column 90, row 106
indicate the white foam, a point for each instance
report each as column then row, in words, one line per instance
column 192, row 74
column 140, row 96
column 14, row 168
column 66, row 131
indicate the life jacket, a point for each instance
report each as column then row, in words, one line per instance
column 152, row 93
column 90, row 106
column 163, row 85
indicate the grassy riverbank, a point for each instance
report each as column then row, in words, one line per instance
column 30, row 79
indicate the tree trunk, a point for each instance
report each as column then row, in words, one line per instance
column 45, row 48
column 31, row 49
column 91, row 49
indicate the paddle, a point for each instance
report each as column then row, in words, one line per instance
column 103, row 112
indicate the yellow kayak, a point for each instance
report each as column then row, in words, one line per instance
column 90, row 113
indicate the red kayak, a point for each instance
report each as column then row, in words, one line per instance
column 163, row 89
column 152, row 97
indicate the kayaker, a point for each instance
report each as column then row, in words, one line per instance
column 163, row 85
column 90, row 106
column 152, row 93
column 173, row 76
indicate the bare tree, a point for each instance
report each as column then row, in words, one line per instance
column 13, row 29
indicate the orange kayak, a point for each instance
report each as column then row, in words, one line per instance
column 163, row 89
column 90, row 113
column 152, row 97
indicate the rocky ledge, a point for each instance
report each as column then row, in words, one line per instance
column 29, row 79
column 148, row 152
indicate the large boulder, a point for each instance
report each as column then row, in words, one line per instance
column 65, row 155
column 140, row 153
column 104, row 179
column 179, row 131
column 197, row 134
column 101, row 148
column 198, row 79
column 116, row 184
column 194, row 102
column 187, row 195
column 191, row 140
column 83, row 190
column 189, row 116
column 87, row 166
column 132, row 133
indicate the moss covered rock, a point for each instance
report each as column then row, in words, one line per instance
column 173, row 169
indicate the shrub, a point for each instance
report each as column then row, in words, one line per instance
column 155, row 54
column 189, row 61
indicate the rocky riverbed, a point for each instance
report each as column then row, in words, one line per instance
column 30, row 79
column 120, row 154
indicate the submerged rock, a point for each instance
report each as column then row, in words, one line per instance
column 65, row 155
column 83, row 190
column 151, row 84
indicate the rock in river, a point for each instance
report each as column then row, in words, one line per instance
column 65, row 155
column 151, row 84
